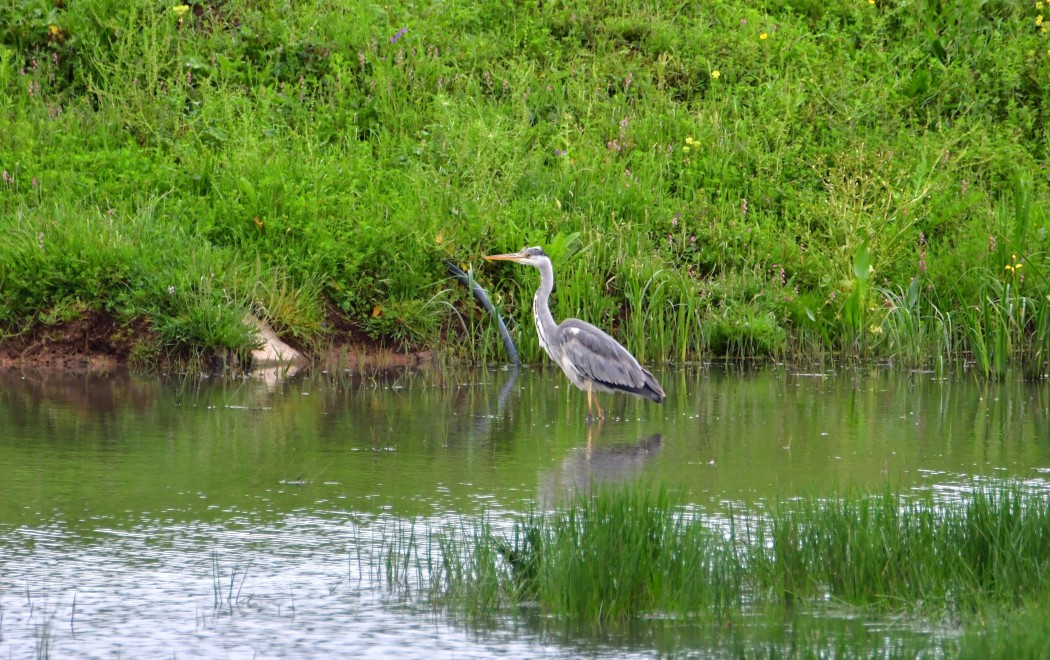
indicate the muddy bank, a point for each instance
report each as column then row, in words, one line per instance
column 98, row 342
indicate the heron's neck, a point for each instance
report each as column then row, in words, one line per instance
column 545, row 324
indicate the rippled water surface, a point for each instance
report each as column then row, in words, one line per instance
column 169, row 517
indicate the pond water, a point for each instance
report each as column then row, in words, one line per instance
column 184, row 517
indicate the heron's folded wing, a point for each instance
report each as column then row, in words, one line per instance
column 599, row 357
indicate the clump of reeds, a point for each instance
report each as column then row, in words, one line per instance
column 614, row 554
column 895, row 551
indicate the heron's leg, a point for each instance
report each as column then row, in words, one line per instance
column 601, row 413
column 589, row 406
column 593, row 431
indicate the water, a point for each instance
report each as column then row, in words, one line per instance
column 153, row 517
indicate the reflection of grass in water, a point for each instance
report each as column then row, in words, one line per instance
column 1011, row 634
column 615, row 555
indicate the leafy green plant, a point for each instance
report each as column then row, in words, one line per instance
column 706, row 184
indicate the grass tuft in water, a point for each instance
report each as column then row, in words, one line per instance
column 613, row 555
column 898, row 552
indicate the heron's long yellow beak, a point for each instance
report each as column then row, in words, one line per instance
column 516, row 256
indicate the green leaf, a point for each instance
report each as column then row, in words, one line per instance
column 246, row 187
column 912, row 297
column 862, row 263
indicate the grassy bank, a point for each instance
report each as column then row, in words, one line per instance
column 611, row 557
column 863, row 180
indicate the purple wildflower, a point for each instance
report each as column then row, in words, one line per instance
column 778, row 270
column 8, row 179
column 397, row 37
column 559, row 152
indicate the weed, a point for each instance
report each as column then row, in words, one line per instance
column 612, row 555
column 700, row 188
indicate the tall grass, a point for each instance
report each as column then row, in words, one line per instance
column 606, row 558
column 703, row 188
column 897, row 552
column 612, row 555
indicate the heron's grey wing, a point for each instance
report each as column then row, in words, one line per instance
column 598, row 357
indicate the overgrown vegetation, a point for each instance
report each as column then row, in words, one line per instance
column 612, row 556
column 863, row 178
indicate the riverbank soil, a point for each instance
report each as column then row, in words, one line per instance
column 99, row 342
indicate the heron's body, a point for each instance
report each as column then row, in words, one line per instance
column 592, row 360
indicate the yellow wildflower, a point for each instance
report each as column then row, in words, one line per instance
column 686, row 148
column 1039, row 19
column 716, row 73
column 180, row 10
column 763, row 36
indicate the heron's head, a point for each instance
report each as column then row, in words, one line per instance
column 532, row 256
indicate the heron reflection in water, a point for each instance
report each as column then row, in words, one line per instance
column 592, row 465
column 591, row 359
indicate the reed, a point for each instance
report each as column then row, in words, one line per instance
column 613, row 555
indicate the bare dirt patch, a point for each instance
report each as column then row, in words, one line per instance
column 95, row 341
column 99, row 342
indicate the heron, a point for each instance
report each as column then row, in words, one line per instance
column 592, row 360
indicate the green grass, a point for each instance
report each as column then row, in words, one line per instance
column 702, row 189
column 895, row 552
column 611, row 556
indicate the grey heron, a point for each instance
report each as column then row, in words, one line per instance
column 592, row 360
